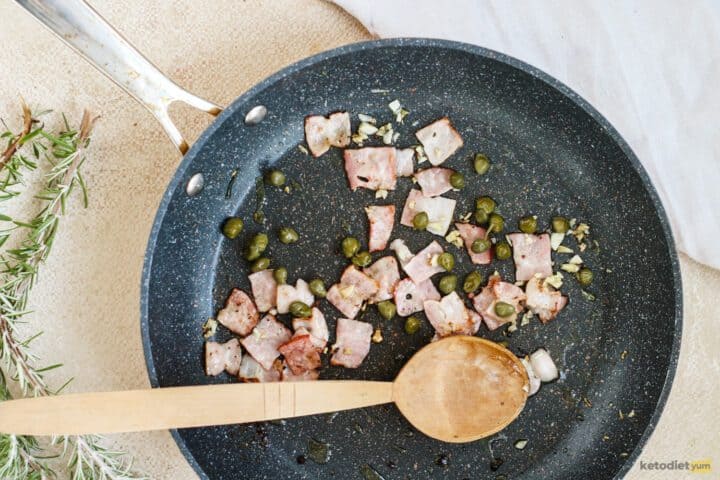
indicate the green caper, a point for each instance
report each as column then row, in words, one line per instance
column 502, row 251
column 280, row 275
column 420, row 221
column 300, row 310
column 261, row 263
column 412, row 325
column 527, row 224
column 481, row 216
column 232, row 227
column 447, row 284
column 496, row 222
column 260, row 240
column 252, row 252
column 503, row 309
column 457, row 180
column 350, row 246
column 446, row 261
column 560, row 224
column 386, row 309
column 584, row 276
column 276, row 178
column 288, row 235
column 480, row 245
column 317, row 288
column 472, row 282
column 481, row 164
column 485, row 203
column 362, row 259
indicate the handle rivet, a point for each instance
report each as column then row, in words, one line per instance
column 255, row 115
column 195, row 184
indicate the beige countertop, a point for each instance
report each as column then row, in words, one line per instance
column 87, row 301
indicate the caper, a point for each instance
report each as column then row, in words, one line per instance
column 485, row 203
column 560, row 224
column 420, row 221
column 502, row 251
column 446, row 261
column 387, row 309
column 260, row 240
column 480, row 245
column 481, row 164
column 300, row 310
column 362, row 259
column 350, row 246
column 252, row 252
column 317, row 288
column 280, row 275
column 496, row 222
column 457, row 180
column 472, row 282
column 584, row 276
column 481, row 216
column 288, row 235
column 232, row 227
column 447, row 284
column 527, row 224
column 276, row 178
column 260, row 264
column 503, row 309
column 412, row 325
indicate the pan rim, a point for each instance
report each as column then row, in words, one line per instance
column 552, row 82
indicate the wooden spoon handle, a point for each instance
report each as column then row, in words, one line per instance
column 182, row 407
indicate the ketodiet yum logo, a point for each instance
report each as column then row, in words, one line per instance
column 695, row 466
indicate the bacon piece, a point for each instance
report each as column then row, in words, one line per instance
column 222, row 356
column 252, row 372
column 409, row 296
column 424, row 264
column 286, row 294
column 321, row 133
column 352, row 344
column 402, row 251
column 240, row 314
column 439, row 140
column 404, row 158
column 498, row 291
column 316, row 326
column 289, row 376
column 353, row 289
column 381, row 219
column 265, row 339
column 469, row 234
column 449, row 316
column 264, row 289
column 532, row 255
column 434, row 181
column 439, row 211
column 373, row 168
column 300, row 354
column 385, row 272
column 543, row 300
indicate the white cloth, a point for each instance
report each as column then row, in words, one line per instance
column 651, row 67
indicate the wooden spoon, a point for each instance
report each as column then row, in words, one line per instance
column 458, row 389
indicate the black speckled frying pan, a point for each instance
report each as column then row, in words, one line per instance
column 552, row 153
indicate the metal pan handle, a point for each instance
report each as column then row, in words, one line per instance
column 81, row 27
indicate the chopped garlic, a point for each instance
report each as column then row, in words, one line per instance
column 209, row 328
column 367, row 128
column 466, row 218
column 400, row 115
column 525, row 320
column 570, row 267
column 366, row 118
column 395, row 106
column 576, row 260
column 556, row 239
column 564, row 249
column 513, row 326
column 395, row 137
column 384, row 129
column 555, row 280
column 388, row 138
column 581, row 231
column 520, row 444
column 377, row 336
column 421, row 157
column 434, row 260
column 454, row 238
column 359, row 138
column 381, row 193
column 379, row 90
column 347, row 291
column 302, row 148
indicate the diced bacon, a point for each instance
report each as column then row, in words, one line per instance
column 498, row 291
column 252, row 372
column 439, row 210
column 532, row 255
column 404, row 158
column 449, row 316
column 543, row 300
column 409, row 297
column 402, row 251
column 289, row 376
column 316, row 326
column 439, row 140
column 434, row 181
column 321, row 133
column 264, row 289
column 265, row 339
column 353, row 289
column 222, row 356
column 352, row 344
column 239, row 315
column 385, row 272
column 287, row 294
column 424, row 264
column 469, row 234
column 300, row 354
column 373, row 168
column 381, row 219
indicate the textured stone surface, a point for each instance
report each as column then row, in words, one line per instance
column 87, row 301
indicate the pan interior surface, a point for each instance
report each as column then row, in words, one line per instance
column 551, row 154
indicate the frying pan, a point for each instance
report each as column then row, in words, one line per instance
column 552, row 154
